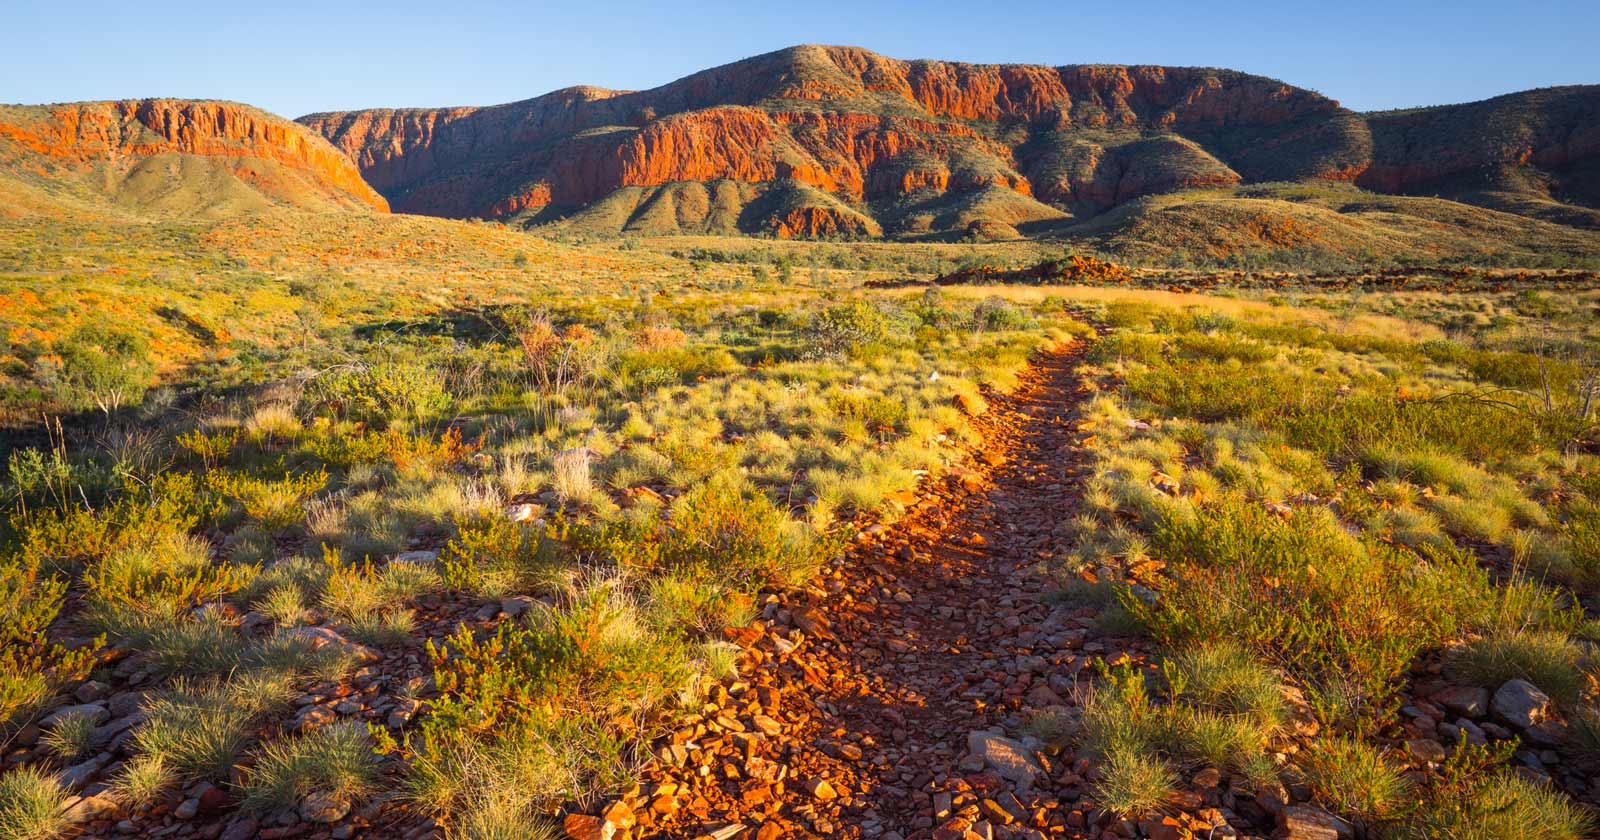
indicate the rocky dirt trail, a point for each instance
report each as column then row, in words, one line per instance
column 888, row 701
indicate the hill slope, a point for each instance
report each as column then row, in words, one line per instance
column 168, row 158
column 815, row 140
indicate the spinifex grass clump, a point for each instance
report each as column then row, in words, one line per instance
column 198, row 731
column 336, row 760
column 1219, row 710
column 31, row 805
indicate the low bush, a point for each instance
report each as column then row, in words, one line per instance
column 1352, row 778
column 493, row 556
column 143, row 587
column 539, row 706
column 1347, row 615
column 31, row 667
column 272, row 504
column 69, row 737
column 1499, row 805
column 848, row 329
column 378, row 392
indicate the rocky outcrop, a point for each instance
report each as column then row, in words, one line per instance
column 274, row 155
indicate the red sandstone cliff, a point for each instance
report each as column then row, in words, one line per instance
column 258, row 148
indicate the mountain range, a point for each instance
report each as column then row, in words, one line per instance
column 817, row 141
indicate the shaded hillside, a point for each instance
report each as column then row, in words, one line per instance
column 1536, row 153
column 171, row 158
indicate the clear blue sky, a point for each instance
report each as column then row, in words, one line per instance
column 293, row 57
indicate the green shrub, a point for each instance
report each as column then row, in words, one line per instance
column 997, row 313
column 104, row 368
column 273, row 504
column 379, row 392
column 719, row 531
column 493, row 556
column 539, row 707
column 1223, row 678
column 32, row 668
column 142, row 587
column 69, row 737
column 1581, row 527
column 847, row 329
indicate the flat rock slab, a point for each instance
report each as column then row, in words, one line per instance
column 1014, row 762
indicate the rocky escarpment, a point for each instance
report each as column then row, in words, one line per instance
column 902, row 143
column 869, row 130
column 213, row 158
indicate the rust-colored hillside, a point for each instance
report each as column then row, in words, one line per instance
column 170, row 157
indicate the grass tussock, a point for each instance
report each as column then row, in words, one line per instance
column 31, row 805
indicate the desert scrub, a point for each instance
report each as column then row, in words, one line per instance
column 32, row 667
column 853, row 329
column 141, row 588
column 1219, row 709
column 541, row 704
column 69, row 737
column 271, row 504
column 720, row 531
column 1353, row 779
column 1497, row 804
column 380, row 391
column 1347, row 615
column 144, row 780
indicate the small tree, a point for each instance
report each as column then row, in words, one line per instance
column 104, row 368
